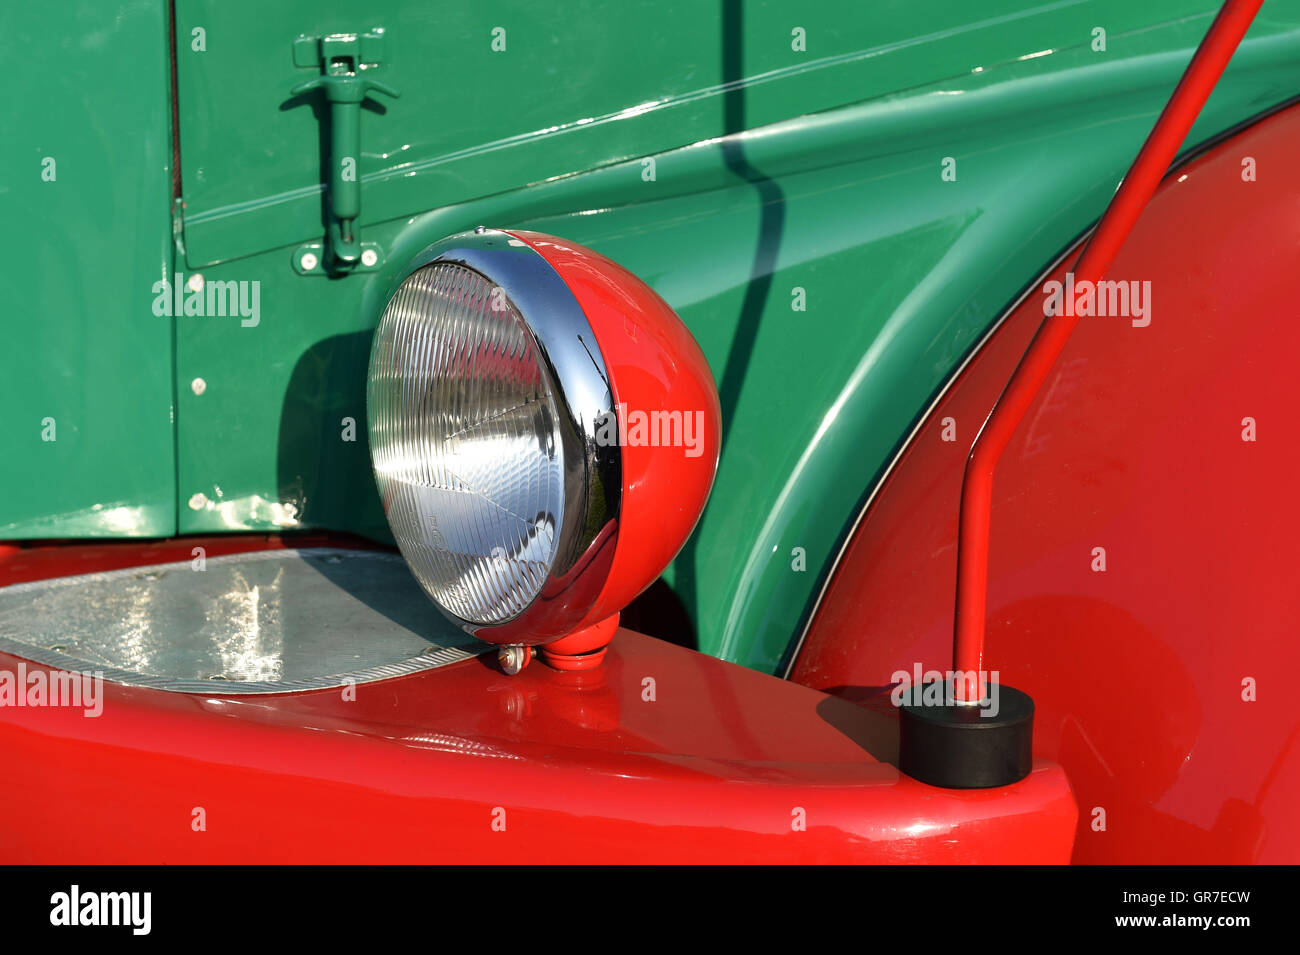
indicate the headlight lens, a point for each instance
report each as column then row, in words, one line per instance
column 465, row 434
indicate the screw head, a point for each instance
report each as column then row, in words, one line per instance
column 195, row 282
column 198, row 502
column 198, row 386
column 480, row 229
column 369, row 257
column 309, row 261
column 514, row 658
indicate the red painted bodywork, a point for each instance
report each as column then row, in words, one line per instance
column 716, row 767
column 1098, row 255
column 654, row 364
column 1136, row 446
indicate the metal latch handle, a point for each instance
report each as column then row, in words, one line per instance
column 345, row 94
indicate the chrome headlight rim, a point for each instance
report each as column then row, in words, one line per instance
column 583, row 395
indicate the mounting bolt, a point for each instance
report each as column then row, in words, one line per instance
column 309, row 261
column 369, row 257
column 198, row 386
column 195, row 282
column 198, row 502
column 514, row 658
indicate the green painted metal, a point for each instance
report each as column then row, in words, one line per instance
column 901, row 271
column 85, row 193
column 501, row 95
column 780, row 176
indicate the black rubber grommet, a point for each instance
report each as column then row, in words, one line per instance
column 968, row 747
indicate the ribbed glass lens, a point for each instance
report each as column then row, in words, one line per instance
column 466, row 445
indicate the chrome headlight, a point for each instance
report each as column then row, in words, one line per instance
column 491, row 406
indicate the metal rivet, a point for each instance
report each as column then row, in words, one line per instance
column 198, row 386
column 369, row 257
column 480, row 229
column 198, row 502
column 309, row 261
column 196, row 282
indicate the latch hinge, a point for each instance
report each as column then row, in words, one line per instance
column 344, row 61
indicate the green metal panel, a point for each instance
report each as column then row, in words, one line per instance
column 85, row 199
column 902, row 273
column 578, row 86
column 902, row 270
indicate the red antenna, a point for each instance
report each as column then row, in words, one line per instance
column 960, row 743
column 1116, row 223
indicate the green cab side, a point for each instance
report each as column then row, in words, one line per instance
column 839, row 201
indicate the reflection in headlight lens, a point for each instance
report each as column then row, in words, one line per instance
column 466, row 445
